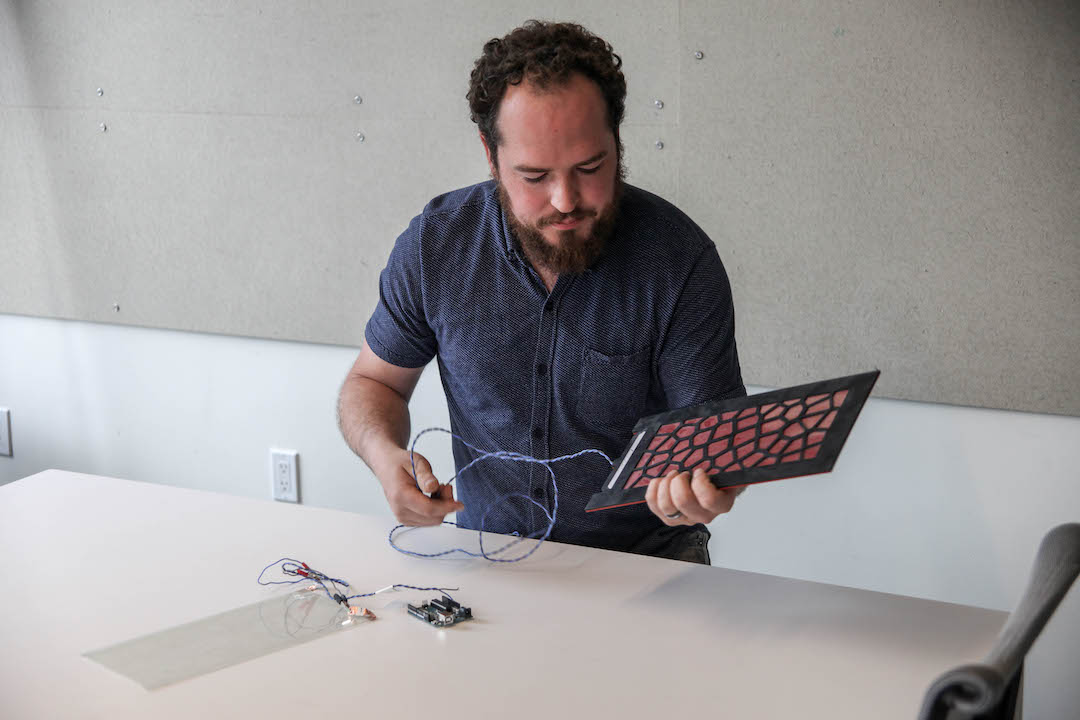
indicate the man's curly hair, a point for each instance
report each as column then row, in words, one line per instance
column 545, row 54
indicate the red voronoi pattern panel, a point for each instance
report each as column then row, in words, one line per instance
column 772, row 433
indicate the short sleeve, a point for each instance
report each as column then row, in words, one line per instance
column 699, row 361
column 398, row 331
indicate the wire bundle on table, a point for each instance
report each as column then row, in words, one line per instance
column 333, row 587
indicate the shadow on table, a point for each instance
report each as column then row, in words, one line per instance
column 721, row 598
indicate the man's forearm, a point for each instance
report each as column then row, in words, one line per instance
column 374, row 419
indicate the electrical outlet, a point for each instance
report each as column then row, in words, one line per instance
column 5, row 433
column 284, row 483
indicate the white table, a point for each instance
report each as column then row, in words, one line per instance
column 571, row 632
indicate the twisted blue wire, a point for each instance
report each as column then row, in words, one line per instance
column 496, row 455
column 444, row 591
column 289, row 566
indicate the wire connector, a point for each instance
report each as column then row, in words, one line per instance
column 362, row 612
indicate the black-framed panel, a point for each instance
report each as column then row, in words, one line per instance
column 779, row 434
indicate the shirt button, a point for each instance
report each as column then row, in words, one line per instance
column 541, row 369
column 538, row 433
column 537, row 493
column 547, row 307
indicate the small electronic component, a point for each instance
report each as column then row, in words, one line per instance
column 362, row 612
column 442, row 612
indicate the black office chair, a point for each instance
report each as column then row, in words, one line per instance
column 992, row 690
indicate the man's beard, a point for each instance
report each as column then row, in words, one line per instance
column 575, row 252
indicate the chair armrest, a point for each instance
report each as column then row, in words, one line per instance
column 977, row 689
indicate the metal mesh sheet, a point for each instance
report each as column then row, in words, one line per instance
column 229, row 638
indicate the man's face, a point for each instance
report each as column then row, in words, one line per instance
column 558, row 172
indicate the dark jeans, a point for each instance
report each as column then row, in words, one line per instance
column 686, row 543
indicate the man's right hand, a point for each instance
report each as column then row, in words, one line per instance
column 403, row 491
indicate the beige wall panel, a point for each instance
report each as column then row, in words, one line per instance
column 283, row 57
column 891, row 185
column 651, row 167
column 894, row 185
column 229, row 192
column 266, row 226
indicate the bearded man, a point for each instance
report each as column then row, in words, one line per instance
column 562, row 303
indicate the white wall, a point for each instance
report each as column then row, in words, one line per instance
column 927, row 500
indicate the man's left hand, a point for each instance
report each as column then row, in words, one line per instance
column 682, row 499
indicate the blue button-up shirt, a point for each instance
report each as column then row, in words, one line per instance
column 648, row 327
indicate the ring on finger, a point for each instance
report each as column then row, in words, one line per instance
column 674, row 516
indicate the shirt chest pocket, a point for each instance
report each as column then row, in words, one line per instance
column 614, row 388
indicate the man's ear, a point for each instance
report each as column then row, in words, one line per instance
column 491, row 163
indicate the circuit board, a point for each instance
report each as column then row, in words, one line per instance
column 441, row 612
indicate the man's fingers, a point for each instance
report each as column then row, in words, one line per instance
column 446, row 492
column 650, row 496
column 433, row 511
column 693, row 497
column 684, row 499
column 422, row 515
column 425, row 479
column 436, row 507
column 664, row 501
column 714, row 500
column 413, row 507
column 408, row 517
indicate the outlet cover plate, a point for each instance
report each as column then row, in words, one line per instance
column 5, row 432
column 284, row 480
